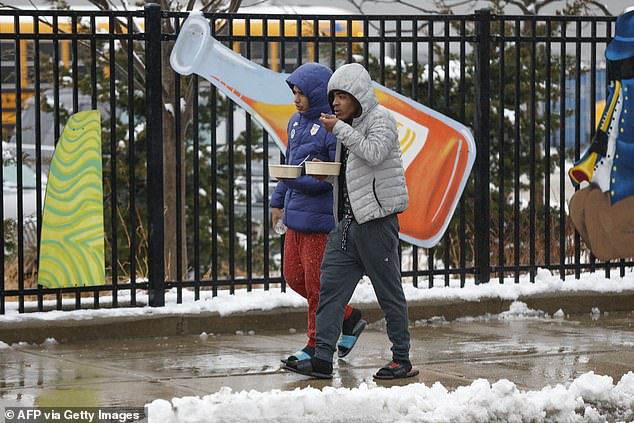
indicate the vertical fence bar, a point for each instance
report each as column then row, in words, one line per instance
column 517, row 157
column 179, row 175
column 501, row 157
column 316, row 42
column 19, row 160
column 75, row 91
column 607, row 80
column 562, row 150
column 366, row 44
column 482, row 96
column 349, row 45
column 430, row 102
column 132, row 220
column 430, row 63
column 593, row 98
column 577, row 147
column 154, row 99
column 415, row 97
column 447, row 110
column 113, row 163
column 213, row 99
column 56, row 103
column 230, row 144
column 93, row 99
column 75, row 63
column 249, row 194
column 265, row 144
column 38, row 149
column 248, row 136
column 547, row 145
column 333, row 45
column 265, row 163
column 196, row 190
column 399, row 69
column 382, row 51
column 532, row 140
column 462, row 115
column 282, row 44
column 299, row 31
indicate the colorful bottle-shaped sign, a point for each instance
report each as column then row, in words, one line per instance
column 438, row 152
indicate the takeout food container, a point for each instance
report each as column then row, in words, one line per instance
column 323, row 168
column 285, row 171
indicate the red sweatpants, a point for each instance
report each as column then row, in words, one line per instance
column 303, row 252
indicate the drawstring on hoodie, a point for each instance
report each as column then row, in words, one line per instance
column 344, row 235
column 348, row 217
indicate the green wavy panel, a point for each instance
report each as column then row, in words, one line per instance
column 72, row 243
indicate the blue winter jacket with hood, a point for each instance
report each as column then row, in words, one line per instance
column 307, row 202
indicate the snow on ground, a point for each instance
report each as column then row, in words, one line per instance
column 589, row 398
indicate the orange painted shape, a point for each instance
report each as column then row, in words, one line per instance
column 276, row 115
column 435, row 176
column 433, row 182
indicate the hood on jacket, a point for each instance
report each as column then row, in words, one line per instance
column 355, row 80
column 312, row 79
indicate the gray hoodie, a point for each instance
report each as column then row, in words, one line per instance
column 374, row 172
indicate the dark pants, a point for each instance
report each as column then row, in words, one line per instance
column 371, row 249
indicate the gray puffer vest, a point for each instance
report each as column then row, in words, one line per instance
column 374, row 172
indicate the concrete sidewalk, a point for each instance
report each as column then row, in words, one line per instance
column 132, row 362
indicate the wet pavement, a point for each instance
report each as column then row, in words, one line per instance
column 532, row 353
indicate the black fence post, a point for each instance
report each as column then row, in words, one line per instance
column 154, row 103
column 482, row 95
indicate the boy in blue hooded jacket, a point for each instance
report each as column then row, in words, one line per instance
column 305, row 203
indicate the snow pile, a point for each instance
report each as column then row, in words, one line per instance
column 518, row 310
column 589, row 398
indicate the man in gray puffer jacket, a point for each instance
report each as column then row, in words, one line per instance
column 368, row 194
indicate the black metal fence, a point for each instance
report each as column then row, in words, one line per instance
column 186, row 182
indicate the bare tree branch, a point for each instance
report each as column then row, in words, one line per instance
column 234, row 6
column 600, row 6
column 519, row 4
column 8, row 6
column 407, row 4
column 527, row 7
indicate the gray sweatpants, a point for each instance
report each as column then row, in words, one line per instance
column 372, row 249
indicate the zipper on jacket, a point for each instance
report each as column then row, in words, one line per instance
column 376, row 197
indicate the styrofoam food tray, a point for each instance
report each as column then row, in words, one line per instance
column 285, row 171
column 323, row 168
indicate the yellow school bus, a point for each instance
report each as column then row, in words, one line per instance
column 17, row 60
